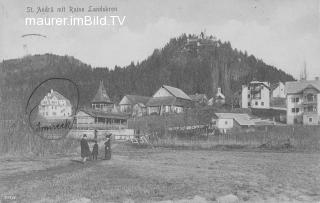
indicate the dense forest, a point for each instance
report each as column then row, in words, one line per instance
column 196, row 64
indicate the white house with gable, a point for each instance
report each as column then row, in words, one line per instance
column 55, row 106
column 303, row 102
column 256, row 95
column 278, row 90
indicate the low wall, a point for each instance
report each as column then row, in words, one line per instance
column 121, row 134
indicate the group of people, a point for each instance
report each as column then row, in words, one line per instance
column 86, row 152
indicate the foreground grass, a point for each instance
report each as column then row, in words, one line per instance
column 163, row 174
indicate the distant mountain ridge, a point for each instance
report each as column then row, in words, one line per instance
column 195, row 64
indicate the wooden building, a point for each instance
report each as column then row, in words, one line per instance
column 101, row 100
column 134, row 105
column 97, row 119
column 169, row 100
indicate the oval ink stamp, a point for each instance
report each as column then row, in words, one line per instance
column 51, row 108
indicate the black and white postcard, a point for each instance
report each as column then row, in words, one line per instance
column 159, row 101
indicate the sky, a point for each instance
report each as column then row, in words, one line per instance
column 283, row 33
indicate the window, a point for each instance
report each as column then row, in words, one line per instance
column 248, row 96
column 226, row 122
column 295, row 100
column 310, row 97
column 295, row 110
column 262, row 103
column 249, row 104
column 248, row 88
column 256, row 103
column 310, row 120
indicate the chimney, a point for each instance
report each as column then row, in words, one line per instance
column 317, row 78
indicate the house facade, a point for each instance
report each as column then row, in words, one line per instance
column 303, row 102
column 139, row 110
column 97, row 119
column 101, row 100
column 278, row 90
column 256, row 95
column 227, row 121
column 134, row 105
column 168, row 100
column 55, row 106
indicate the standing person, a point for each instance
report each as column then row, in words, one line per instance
column 107, row 147
column 95, row 151
column 95, row 134
column 85, row 151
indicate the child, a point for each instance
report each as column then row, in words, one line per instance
column 95, row 151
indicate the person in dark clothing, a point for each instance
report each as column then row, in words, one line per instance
column 85, row 150
column 95, row 151
column 95, row 134
column 107, row 148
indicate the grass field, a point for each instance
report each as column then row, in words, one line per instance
column 159, row 174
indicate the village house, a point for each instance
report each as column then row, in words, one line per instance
column 303, row 102
column 278, row 90
column 227, row 121
column 256, row 95
column 168, row 100
column 101, row 100
column 200, row 99
column 55, row 106
column 134, row 105
column 100, row 120
column 139, row 109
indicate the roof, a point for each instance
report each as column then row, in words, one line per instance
column 135, row 99
column 158, row 101
column 294, row 87
column 266, row 84
column 140, row 105
column 103, row 114
column 263, row 122
column 176, row 92
column 242, row 119
column 59, row 96
column 275, row 85
column 198, row 97
column 168, row 101
column 101, row 95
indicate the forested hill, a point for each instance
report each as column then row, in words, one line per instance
column 196, row 64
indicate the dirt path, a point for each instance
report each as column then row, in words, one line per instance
column 163, row 174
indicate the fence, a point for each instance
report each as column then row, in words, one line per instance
column 297, row 137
